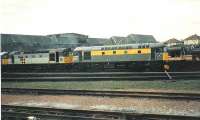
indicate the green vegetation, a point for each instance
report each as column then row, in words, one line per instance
column 190, row 85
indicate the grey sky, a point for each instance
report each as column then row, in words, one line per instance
column 102, row 18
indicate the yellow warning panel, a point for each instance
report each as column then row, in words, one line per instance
column 121, row 52
column 68, row 59
column 4, row 61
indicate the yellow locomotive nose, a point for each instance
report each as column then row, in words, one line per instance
column 4, row 61
column 165, row 56
column 68, row 59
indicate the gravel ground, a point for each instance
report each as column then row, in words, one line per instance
column 140, row 105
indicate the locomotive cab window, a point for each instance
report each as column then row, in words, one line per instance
column 159, row 50
column 87, row 55
column 40, row 56
column 5, row 56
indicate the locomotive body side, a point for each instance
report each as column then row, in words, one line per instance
column 121, row 55
column 31, row 58
column 43, row 57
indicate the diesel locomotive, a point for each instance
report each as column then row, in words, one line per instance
column 115, row 56
column 120, row 53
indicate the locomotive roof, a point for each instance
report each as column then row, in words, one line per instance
column 3, row 53
column 150, row 45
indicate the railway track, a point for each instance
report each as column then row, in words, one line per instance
column 94, row 76
column 21, row 112
column 133, row 94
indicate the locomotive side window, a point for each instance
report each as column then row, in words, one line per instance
column 103, row 53
column 114, row 52
column 75, row 53
column 87, row 55
column 33, row 56
column 125, row 52
column 51, row 57
column 103, row 48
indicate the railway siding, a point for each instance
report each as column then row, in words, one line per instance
column 94, row 76
column 9, row 111
column 154, row 95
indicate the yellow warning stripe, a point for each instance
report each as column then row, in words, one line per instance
column 120, row 52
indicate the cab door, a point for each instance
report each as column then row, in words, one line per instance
column 80, row 56
column 57, row 57
column 158, row 53
column 153, row 52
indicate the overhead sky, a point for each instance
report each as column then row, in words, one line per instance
column 164, row 19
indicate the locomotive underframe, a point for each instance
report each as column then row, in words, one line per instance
column 142, row 66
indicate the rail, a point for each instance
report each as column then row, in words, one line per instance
column 98, row 76
column 22, row 112
column 133, row 94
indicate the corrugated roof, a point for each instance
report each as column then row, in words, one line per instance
column 97, row 41
column 151, row 45
column 193, row 37
column 138, row 38
column 117, row 40
column 69, row 35
column 133, row 39
column 13, row 42
column 173, row 40
column 16, row 42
